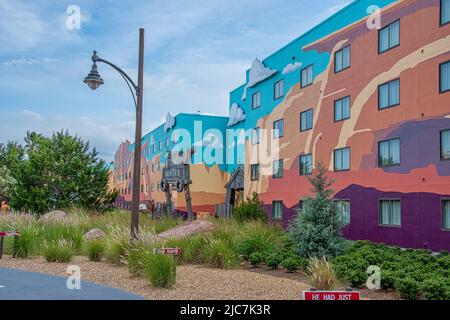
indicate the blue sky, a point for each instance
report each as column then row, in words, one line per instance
column 196, row 53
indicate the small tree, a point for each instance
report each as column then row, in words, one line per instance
column 7, row 183
column 250, row 209
column 316, row 229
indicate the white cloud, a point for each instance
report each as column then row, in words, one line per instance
column 236, row 115
column 258, row 73
column 20, row 27
column 291, row 67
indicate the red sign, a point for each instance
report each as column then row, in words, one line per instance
column 331, row 295
column 9, row 233
column 170, row 251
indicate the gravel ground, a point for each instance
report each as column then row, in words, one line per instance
column 193, row 282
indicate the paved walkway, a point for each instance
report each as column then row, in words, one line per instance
column 24, row 285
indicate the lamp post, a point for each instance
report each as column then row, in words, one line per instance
column 93, row 80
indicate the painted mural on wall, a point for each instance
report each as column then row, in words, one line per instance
column 281, row 88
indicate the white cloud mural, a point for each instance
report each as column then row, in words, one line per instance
column 291, row 67
column 258, row 73
column 170, row 122
column 244, row 95
column 236, row 115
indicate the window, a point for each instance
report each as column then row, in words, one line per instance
column 278, row 129
column 343, row 209
column 446, row 214
column 279, row 89
column 278, row 169
column 277, row 210
column 342, row 109
column 306, row 120
column 254, row 168
column 255, row 136
column 153, row 167
column 342, row 59
column 389, row 37
column 390, row 213
column 154, row 148
column 300, row 205
column 389, row 153
column 445, row 12
column 444, row 77
column 256, row 100
column 342, row 159
column 445, row 145
column 167, row 142
column 306, row 165
column 389, row 94
column 307, row 76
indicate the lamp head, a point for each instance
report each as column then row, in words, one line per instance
column 93, row 79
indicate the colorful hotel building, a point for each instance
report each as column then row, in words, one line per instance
column 367, row 93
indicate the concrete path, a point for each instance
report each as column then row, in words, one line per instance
column 24, row 285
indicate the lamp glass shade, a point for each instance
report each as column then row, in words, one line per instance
column 93, row 79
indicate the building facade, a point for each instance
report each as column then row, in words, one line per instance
column 366, row 93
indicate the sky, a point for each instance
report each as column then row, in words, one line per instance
column 196, row 52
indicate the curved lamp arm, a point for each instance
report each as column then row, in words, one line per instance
column 127, row 78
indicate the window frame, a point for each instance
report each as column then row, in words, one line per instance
column 400, row 153
column 349, row 159
column 379, row 214
column 275, row 97
column 301, row 76
column 273, row 210
column 399, row 94
column 300, row 165
column 274, row 176
column 312, row 120
column 440, row 77
column 441, row 145
column 349, row 46
column 252, row 178
column 399, row 36
column 255, row 132
column 440, row 15
column 257, row 93
column 442, row 215
column 350, row 210
column 349, row 108
column 273, row 127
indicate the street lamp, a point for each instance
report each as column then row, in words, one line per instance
column 93, row 80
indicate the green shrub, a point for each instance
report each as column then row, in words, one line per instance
column 56, row 230
column 94, row 249
column 191, row 248
column 136, row 258
column 273, row 260
column 193, row 251
column 436, row 289
column 58, row 251
column 388, row 279
column 159, row 269
column 256, row 258
column 27, row 241
column 257, row 237
column 290, row 264
column 249, row 210
column 219, row 253
column 321, row 274
column 116, row 251
column 407, row 288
